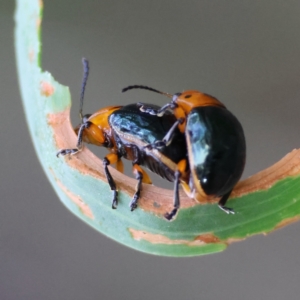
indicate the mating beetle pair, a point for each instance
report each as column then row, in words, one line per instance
column 215, row 139
column 200, row 146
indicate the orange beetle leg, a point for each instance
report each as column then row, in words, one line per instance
column 120, row 166
column 137, row 169
column 180, row 114
column 187, row 189
column 181, row 166
column 112, row 158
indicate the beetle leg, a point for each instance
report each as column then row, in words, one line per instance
column 138, row 173
column 181, row 168
column 169, row 136
column 79, row 144
column 176, row 202
column 110, row 159
column 167, row 140
column 136, row 166
column 120, row 166
column 141, row 176
column 179, row 113
column 222, row 203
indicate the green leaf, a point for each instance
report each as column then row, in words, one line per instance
column 264, row 202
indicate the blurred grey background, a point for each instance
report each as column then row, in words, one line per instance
column 246, row 53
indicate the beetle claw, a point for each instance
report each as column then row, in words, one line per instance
column 115, row 200
column 227, row 210
column 133, row 204
column 170, row 216
column 64, row 152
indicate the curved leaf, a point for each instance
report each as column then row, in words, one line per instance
column 264, row 202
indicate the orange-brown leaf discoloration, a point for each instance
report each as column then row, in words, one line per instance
column 38, row 23
column 208, row 238
column 31, row 55
column 286, row 222
column 85, row 209
column 46, row 88
column 161, row 239
column 289, row 165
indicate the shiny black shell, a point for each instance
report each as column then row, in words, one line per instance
column 134, row 129
column 216, row 148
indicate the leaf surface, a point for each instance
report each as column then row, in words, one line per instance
column 264, row 202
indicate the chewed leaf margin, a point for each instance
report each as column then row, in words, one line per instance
column 264, row 202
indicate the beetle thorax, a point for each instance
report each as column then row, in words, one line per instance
column 191, row 99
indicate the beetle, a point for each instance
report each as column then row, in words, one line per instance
column 215, row 141
column 128, row 133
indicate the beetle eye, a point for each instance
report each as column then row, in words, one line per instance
column 187, row 96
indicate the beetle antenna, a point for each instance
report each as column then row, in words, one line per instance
column 131, row 87
column 86, row 69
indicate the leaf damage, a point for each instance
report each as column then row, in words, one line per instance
column 152, row 238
